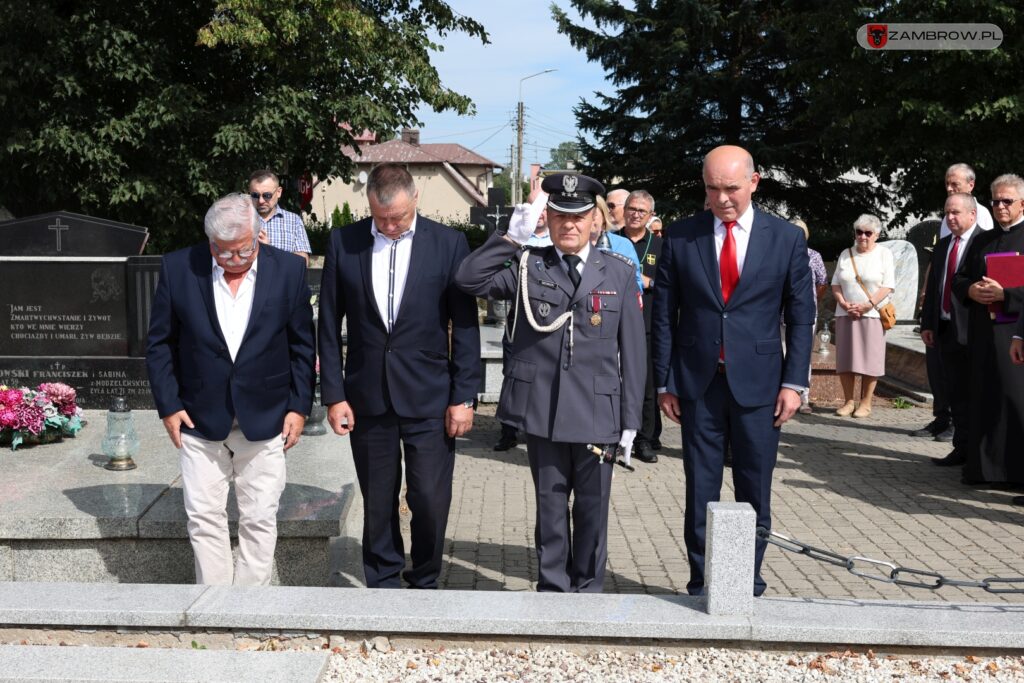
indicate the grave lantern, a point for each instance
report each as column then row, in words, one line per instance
column 121, row 441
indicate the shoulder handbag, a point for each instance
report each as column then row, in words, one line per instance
column 887, row 313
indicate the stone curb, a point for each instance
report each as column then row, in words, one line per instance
column 510, row 614
column 116, row 664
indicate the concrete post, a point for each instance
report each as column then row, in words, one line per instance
column 729, row 559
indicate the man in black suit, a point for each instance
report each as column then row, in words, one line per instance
column 944, row 317
column 408, row 384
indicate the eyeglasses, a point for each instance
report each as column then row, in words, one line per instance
column 244, row 254
column 864, row 233
column 637, row 210
column 613, row 205
column 267, row 196
column 1004, row 202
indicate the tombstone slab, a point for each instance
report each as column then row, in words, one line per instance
column 904, row 296
column 63, row 233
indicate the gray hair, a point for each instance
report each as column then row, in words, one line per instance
column 643, row 195
column 619, row 192
column 230, row 218
column 386, row 181
column 1009, row 180
column 868, row 221
column 962, row 168
column 968, row 199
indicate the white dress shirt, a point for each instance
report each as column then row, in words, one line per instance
column 984, row 219
column 959, row 259
column 390, row 268
column 741, row 235
column 233, row 309
column 582, row 253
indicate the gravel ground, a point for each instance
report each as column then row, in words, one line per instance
column 708, row 665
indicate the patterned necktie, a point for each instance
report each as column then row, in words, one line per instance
column 727, row 263
column 947, row 286
column 572, row 260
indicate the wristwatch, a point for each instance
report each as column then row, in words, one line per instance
column 469, row 404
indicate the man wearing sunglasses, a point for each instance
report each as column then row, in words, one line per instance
column 994, row 455
column 278, row 228
column 230, row 359
column 616, row 202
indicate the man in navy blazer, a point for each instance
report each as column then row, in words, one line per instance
column 410, row 374
column 230, row 359
column 719, row 365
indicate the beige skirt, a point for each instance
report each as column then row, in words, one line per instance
column 860, row 346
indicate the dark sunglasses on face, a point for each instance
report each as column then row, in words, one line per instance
column 267, row 196
column 864, row 233
column 612, row 205
column 1004, row 202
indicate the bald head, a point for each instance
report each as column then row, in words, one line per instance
column 729, row 181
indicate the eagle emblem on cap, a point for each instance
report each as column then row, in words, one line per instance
column 569, row 183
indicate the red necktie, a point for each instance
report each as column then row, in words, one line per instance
column 727, row 263
column 947, row 286
column 729, row 271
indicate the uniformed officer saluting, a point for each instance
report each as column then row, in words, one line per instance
column 577, row 371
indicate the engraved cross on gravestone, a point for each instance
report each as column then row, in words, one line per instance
column 58, row 228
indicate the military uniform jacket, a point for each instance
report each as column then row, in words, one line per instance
column 591, row 394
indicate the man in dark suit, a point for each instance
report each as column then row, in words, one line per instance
column 411, row 370
column 575, row 375
column 718, row 363
column 944, row 318
column 230, row 358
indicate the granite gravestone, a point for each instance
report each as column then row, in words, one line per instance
column 904, row 295
column 492, row 217
column 70, row 315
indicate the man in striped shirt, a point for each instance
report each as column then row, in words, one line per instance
column 278, row 228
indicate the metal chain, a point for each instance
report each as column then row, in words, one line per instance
column 861, row 566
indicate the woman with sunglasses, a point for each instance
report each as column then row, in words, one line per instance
column 860, row 339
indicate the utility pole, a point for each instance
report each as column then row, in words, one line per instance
column 517, row 181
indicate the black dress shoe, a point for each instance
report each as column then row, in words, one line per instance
column 951, row 460
column 946, row 435
column 506, row 442
column 656, row 445
column 934, row 427
column 645, row 454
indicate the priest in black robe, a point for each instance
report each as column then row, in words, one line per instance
column 995, row 452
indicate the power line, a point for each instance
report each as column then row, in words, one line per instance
column 488, row 138
column 460, row 134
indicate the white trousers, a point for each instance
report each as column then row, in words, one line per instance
column 258, row 469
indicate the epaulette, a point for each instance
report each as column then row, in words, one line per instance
column 624, row 259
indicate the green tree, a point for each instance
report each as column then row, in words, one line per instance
column 836, row 130
column 566, row 155
column 503, row 181
column 145, row 112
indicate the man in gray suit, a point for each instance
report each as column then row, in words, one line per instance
column 576, row 373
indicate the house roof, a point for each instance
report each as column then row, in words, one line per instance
column 448, row 155
column 401, row 152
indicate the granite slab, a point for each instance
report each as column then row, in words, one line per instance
column 117, row 664
column 464, row 612
column 61, row 491
column 95, row 604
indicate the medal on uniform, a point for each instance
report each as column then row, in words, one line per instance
column 544, row 308
column 595, row 320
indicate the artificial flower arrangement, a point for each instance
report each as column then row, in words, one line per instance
column 39, row 415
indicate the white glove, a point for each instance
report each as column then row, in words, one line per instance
column 524, row 219
column 627, row 444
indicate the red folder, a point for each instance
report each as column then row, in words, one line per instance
column 1006, row 268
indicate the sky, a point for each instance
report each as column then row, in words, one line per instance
column 524, row 41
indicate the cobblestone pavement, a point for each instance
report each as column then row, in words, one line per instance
column 857, row 487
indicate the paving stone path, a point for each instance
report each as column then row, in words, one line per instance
column 857, row 487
